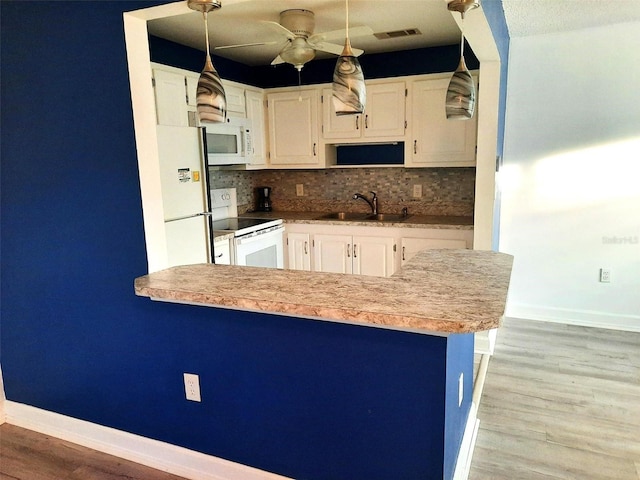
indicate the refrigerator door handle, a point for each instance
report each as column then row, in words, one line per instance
column 201, row 214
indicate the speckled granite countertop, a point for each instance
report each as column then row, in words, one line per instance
column 412, row 221
column 438, row 291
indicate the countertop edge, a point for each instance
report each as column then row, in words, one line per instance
column 466, row 303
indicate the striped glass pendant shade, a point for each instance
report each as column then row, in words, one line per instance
column 460, row 103
column 461, row 95
column 210, row 97
column 349, row 93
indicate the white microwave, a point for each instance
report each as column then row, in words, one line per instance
column 228, row 143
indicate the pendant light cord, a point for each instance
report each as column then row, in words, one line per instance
column 206, row 31
column 462, row 34
column 347, row 19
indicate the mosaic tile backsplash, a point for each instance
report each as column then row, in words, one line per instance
column 445, row 191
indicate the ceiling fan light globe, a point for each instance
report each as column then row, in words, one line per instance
column 349, row 92
column 298, row 53
column 210, row 97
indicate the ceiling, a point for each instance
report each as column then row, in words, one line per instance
column 242, row 23
column 238, row 23
column 536, row 17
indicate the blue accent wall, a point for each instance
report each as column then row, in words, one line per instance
column 303, row 398
column 382, row 65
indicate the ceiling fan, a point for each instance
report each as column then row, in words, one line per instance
column 301, row 44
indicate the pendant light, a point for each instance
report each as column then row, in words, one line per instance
column 460, row 102
column 210, row 96
column 349, row 94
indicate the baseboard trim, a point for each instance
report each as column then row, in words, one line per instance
column 585, row 318
column 465, row 455
column 152, row 453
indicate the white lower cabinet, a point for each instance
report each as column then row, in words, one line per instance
column 376, row 251
column 361, row 255
column 299, row 251
column 357, row 250
column 222, row 252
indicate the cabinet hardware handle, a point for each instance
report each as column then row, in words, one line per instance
column 314, row 149
column 357, row 122
column 366, row 121
column 349, row 251
column 403, row 254
column 355, row 252
column 219, row 256
column 306, row 248
column 415, row 146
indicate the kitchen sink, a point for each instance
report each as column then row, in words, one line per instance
column 388, row 217
column 364, row 217
column 346, row 216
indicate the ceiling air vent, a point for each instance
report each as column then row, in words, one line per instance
column 407, row 32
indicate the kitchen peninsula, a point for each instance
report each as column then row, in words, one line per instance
column 437, row 292
column 392, row 401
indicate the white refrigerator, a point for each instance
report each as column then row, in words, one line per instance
column 183, row 176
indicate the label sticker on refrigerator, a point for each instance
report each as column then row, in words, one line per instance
column 184, row 175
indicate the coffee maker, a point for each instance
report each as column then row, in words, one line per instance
column 264, row 199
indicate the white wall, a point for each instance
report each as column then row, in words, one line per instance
column 571, row 176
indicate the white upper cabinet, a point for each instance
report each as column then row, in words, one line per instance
column 256, row 113
column 235, row 100
column 383, row 119
column 171, row 98
column 436, row 141
column 293, row 129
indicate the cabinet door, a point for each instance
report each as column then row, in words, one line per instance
column 293, row 128
column 373, row 256
column 235, row 100
column 171, row 98
column 299, row 251
column 338, row 126
column 385, row 110
column 255, row 112
column 332, row 253
column 192, row 89
column 437, row 141
column 222, row 252
column 411, row 246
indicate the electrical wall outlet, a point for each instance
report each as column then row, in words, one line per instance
column 192, row 387
column 605, row 275
column 417, row 191
column 299, row 189
column 460, row 388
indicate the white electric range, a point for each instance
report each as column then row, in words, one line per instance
column 256, row 242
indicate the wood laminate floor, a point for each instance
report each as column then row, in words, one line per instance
column 27, row 455
column 560, row 402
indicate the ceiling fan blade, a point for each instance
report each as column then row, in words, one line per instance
column 336, row 49
column 341, row 34
column 328, row 47
column 277, row 61
column 280, row 29
column 222, row 47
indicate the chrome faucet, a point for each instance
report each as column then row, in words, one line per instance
column 373, row 203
